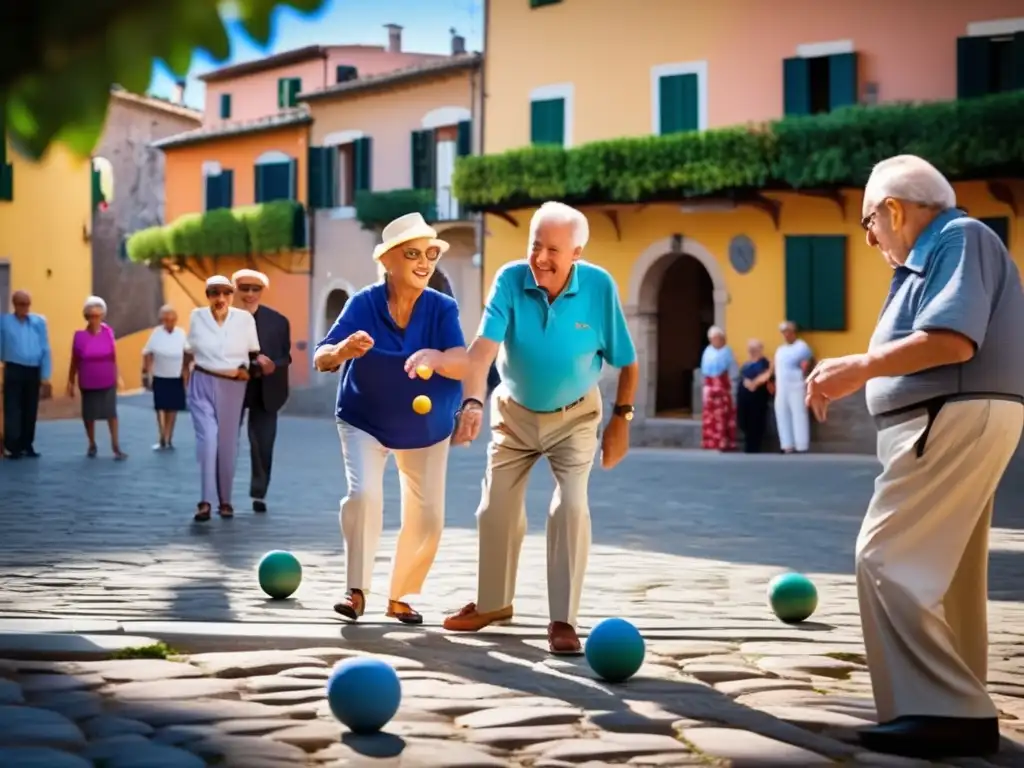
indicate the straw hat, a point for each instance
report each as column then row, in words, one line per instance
column 412, row 226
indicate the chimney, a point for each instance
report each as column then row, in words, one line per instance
column 458, row 42
column 394, row 38
column 178, row 94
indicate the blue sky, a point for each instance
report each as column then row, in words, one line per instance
column 426, row 25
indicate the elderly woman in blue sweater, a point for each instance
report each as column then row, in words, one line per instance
column 393, row 342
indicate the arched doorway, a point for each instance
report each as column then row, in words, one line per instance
column 685, row 312
column 336, row 301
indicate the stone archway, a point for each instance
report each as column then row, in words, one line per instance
column 327, row 303
column 641, row 306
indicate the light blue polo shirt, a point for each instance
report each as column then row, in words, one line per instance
column 958, row 277
column 552, row 352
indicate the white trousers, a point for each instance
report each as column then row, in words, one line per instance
column 422, row 473
column 791, row 417
column 922, row 559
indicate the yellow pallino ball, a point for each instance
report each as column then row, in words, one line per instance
column 424, row 372
column 421, row 404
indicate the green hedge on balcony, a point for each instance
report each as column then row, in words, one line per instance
column 971, row 139
column 266, row 228
column 376, row 209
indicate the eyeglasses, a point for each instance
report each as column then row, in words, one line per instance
column 94, row 316
column 218, row 292
column 248, row 288
column 414, row 254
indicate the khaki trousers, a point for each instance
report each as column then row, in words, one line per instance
column 569, row 440
column 422, row 473
column 922, row 559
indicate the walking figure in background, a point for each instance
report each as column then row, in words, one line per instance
column 94, row 366
column 753, row 395
column 220, row 355
column 944, row 373
column 266, row 393
column 793, row 360
column 718, row 413
column 162, row 361
column 27, row 364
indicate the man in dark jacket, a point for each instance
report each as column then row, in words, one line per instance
column 268, row 392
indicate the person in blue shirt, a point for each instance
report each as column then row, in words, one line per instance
column 557, row 321
column 27, row 364
column 718, row 412
column 395, row 341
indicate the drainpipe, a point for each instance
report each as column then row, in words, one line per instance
column 482, row 76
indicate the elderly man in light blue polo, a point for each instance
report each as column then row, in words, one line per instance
column 557, row 320
column 944, row 373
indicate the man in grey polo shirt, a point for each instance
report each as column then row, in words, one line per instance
column 944, row 376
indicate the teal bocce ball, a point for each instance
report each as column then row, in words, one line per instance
column 280, row 574
column 364, row 693
column 792, row 597
column 614, row 650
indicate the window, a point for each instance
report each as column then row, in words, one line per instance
column 1001, row 226
column 547, row 122
column 102, row 182
column 220, row 190
column 344, row 72
column 815, row 84
column 287, row 91
column 225, row 106
column 424, row 159
column 339, row 171
column 816, row 282
column 679, row 97
column 540, row 3
column 6, row 169
column 987, row 65
column 276, row 177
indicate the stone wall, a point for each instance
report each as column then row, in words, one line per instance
column 133, row 292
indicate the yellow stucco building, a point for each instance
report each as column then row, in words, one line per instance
column 703, row 223
column 45, row 219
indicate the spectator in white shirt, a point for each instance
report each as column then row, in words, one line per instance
column 162, row 362
column 220, row 353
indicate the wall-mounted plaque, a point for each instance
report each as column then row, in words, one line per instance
column 741, row 254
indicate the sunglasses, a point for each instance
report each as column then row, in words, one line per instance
column 414, row 254
column 247, row 288
column 94, row 316
column 219, row 292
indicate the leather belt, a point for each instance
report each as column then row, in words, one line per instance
column 563, row 409
column 215, row 375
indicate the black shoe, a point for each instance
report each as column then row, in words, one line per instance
column 933, row 737
column 32, row 453
column 13, row 455
column 259, row 505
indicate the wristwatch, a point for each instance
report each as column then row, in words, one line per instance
column 625, row 411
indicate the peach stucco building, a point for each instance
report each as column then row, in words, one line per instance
column 655, row 68
column 387, row 145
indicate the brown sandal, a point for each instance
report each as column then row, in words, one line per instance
column 226, row 510
column 352, row 606
column 202, row 512
column 403, row 612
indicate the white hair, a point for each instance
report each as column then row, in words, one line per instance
column 787, row 325
column 910, row 178
column 167, row 308
column 713, row 331
column 95, row 302
column 560, row 213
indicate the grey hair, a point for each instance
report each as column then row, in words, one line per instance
column 95, row 302
column 559, row 213
column 910, row 178
column 755, row 343
column 787, row 325
column 713, row 331
column 167, row 308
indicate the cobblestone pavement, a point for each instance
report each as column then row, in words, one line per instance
column 684, row 544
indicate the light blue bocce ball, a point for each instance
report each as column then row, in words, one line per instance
column 364, row 693
column 792, row 597
column 615, row 650
column 280, row 574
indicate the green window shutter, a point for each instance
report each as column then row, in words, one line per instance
column 416, row 151
column 225, row 106
column 97, row 188
column 3, row 132
column 227, row 188
column 275, row 181
column 287, row 90
column 843, row 88
column 547, row 121
column 541, row 3
column 259, row 183
column 828, row 283
column 316, row 178
column 282, row 92
column 6, row 181
column 295, row 88
column 972, row 67
column 464, row 145
column 362, row 154
column 344, row 72
column 424, row 159
column 1001, row 226
column 679, row 103
column 1017, row 76
column 796, row 87
column 798, row 280
column 213, row 193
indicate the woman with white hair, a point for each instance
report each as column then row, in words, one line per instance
column 793, row 361
column 718, row 419
column 402, row 356
column 94, row 368
column 162, row 360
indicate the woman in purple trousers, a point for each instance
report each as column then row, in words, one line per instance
column 220, row 352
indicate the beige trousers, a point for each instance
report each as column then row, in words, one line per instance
column 922, row 559
column 569, row 440
column 422, row 474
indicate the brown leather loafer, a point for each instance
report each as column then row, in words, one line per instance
column 563, row 640
column 469, row 619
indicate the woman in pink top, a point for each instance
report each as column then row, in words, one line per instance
column 94, row 365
